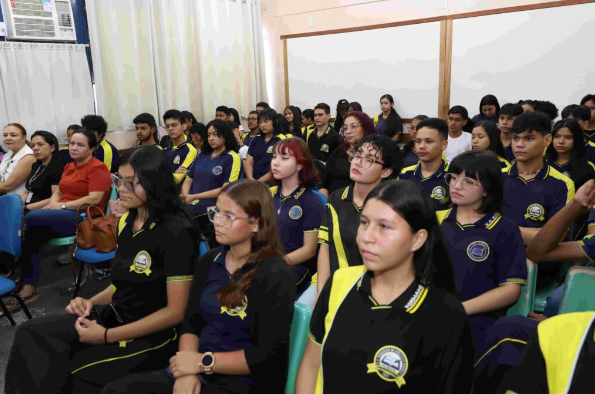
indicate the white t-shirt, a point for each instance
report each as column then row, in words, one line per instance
column 456, row 146
column 9, row 163
column 243, row 152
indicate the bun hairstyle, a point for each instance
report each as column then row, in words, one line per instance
column 256, row 200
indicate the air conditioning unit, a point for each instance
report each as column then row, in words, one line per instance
column 39, row 20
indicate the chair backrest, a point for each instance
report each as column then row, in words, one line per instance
column 203, row 248
column 323, row 199
column 579, row 291
column 298, row 338
column 10, row 224
column 526, row 300
column 113, row 195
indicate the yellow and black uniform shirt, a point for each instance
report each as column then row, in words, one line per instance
column 145, row 261
column 107, row 153
column 261, row 152
column 434, row 184
column 503, row 162
column 156, row 145
column 339, row 229
column 559, row 357
column 247, row 138
column 486, row 254
column 298, row 213
column 508, row 155
column 531, row 203
column 419, row 343
column 322, row 147
column 260, row 326
column 182, row 155
column 210, row 172
column 590, row 149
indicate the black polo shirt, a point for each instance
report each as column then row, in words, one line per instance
column 42, row 178
column 322, row 147
column 336, row 172
column 419, row 343
column 434, row 184
column 339, row 229
column 145, row 261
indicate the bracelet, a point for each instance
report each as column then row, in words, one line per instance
column 105, row 336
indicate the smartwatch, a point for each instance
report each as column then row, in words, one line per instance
column 207, row 361
column 63, row 206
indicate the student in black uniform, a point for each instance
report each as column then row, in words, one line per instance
column 222, row 113
column 261, row 106
column 341, row 113
column 234, row 116
column 64, row 151
column 589, row 102
column 508, row 114
column 486, row 137
column 580, row 113
column 258, row 161
column 488, row 109
column 151, row 276
column 486, row 249
column 284, row 126
column 392, row 324
column 374, row 159
column 235, row 335
column 354, row 106
column 198, row 136
column 106, row 151
column 299, row 210
column 322, row 139
column 307, row 121
column 253, row 128
column 294, row 118
column 146, row 130
column 388, row 122
column 410, row 157
column 180, row 154
column 190, row 120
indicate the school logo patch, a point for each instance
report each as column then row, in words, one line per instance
column 478, row 251
column 390, row 363
column 218, row 170
column 141, row 263
column 439, row 193
column 270, row 149
column 535, row 212
column 295, row 212
column 239, row 311
column 177, row 159
column 324, row 148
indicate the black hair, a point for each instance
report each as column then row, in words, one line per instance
column 413, row 203
column 189, row 116
column 581, row 112
column 73, row 127
column 154, row 175
column 437, row 124
column 493, row 133
column 91, row 139
column 354, row 105
column 459, row 109
column 324, row 107
column 224, row 109
column 223, row 130
column 486, row 167
column 95, row 123
column 342, row 105
column 50, row 139
column 588, row 97
column 387, row 151
column 394, row 123
column 150, row 120
column 548, row 108
column 199, row 129
column 174, row 114
column 271, row 114
column 253, row 112
column 297, row 119
column 408, row 147
column 308, row 113
column 284, row 124
column 510, row 109
column 264, row 105
column 236, row 115
column 232, row 125
column 489, row 99
column 532, row 103
column 532, row 121
column 580, row 169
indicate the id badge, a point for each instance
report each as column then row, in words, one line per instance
column 29, row 197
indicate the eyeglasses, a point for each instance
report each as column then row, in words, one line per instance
column 451, row 179
column 352, row 127
column 365, row 162
column 252, row 119
column 128, row 184
column 224, row 219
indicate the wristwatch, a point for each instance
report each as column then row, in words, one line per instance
column 207, row 361
column 63, row 206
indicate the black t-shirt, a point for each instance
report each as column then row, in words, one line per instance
column 145, row 261
column 336, row 172
column 321, row 147
column 41, row 178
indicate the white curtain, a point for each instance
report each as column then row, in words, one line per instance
column 44, row 86
column 154, row 55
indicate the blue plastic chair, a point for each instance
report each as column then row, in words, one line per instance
column 203, row 248
column 323, row 199
column 526, row 301
column 579, row 291
column 298, row 338
column 6, row 290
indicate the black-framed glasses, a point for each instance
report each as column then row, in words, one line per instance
column 451, row 179
column 365, row 161
column 224, row 219
column 252, row 119
column 128, row 184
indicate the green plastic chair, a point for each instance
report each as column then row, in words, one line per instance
column 298, row 339
column 526, row 301
column 579, row 291
column 541, row 295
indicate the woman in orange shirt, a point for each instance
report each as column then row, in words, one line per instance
column 85, row 181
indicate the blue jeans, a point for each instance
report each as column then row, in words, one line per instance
column 41, row 226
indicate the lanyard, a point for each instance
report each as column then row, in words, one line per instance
column 35, row 176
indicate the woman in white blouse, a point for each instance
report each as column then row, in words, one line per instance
column 16, row 164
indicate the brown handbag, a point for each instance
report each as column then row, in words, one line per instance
column 100, row 233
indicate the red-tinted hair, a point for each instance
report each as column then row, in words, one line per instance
column 367, row 126
column 297, row 148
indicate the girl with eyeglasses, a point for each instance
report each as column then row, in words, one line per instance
column 83, row 350
column 335, row 176
column 486, row 248
column 374, row 159
column 235, row 335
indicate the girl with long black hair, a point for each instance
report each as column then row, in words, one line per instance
column 294, row 118
column 486, row 137
column 388, row 122
column 342, row 110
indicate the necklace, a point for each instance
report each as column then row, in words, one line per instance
column 35, row 176
column 529, row 173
